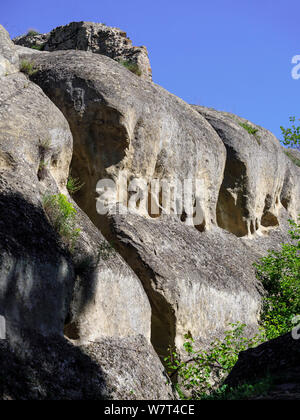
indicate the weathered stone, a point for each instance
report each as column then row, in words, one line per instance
column 53, row 368
column 95, row 37
column 7, row 48
column 258, row 178
column 122, row 123
column 278, row 361
column 36, row 273
column 35, row 133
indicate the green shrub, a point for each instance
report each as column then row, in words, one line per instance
column 131, row 66
column 37, row 47
column 62, row 215
column 241, row 392
column 279, row 273
column 291, row 136
column 201, row 369
column 32, row 32
column 74, row 185
column 248, row 128
column 27, row 68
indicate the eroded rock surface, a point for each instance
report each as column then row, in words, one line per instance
column 95, row 37
column 53, row 368
column 46, row 290
column 258, row 180
column 121, row 123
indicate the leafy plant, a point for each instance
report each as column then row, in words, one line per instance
column 131, row 66
column 279, row 273
column 291, row 136
column 32, row 32
column 37, row 47
column 62, row 215
column 74, row 185
column 249, row 128
column 199, row 372
column 241, row 392
column 27, row 68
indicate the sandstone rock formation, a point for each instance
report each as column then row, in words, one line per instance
column 45, row 289
column 259, row 179
column 178, row 266
column 95, row 37
column 9, row 58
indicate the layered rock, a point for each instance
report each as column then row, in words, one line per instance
column 121, row 124
column 46, row 290
column 95, row 37
column 258, row 180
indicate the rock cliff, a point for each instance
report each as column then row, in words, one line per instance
column 181, row 262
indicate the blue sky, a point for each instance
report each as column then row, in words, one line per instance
column 232, row 55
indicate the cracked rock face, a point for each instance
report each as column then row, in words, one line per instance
column 95, row 37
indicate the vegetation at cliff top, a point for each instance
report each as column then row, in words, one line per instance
column 131, row 66
column 248, row 128
column 32, row 32
column 291, row 135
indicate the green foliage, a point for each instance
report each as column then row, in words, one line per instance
column 32, row 32
column 74, row 185
column 248, row 128
column 291, row 136
column 201, row 369
column 131, row 66
column 241, row 392
column 293, row 158
column 62, row 215
column 251, row 130
column 279, row 273
column 27, row 68
column 37, row 47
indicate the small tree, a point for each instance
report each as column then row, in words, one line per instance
column 279, row 273
column 291, row 136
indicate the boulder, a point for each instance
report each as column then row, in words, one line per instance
column 95, row 37
column 277, row 361
column 52, row 368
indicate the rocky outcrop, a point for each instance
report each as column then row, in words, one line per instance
column 9, row 58
column 53, row 368
column 278, row 360
column 207, row 194
column 95, row 37
column 47, row 289
column 258, row 180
